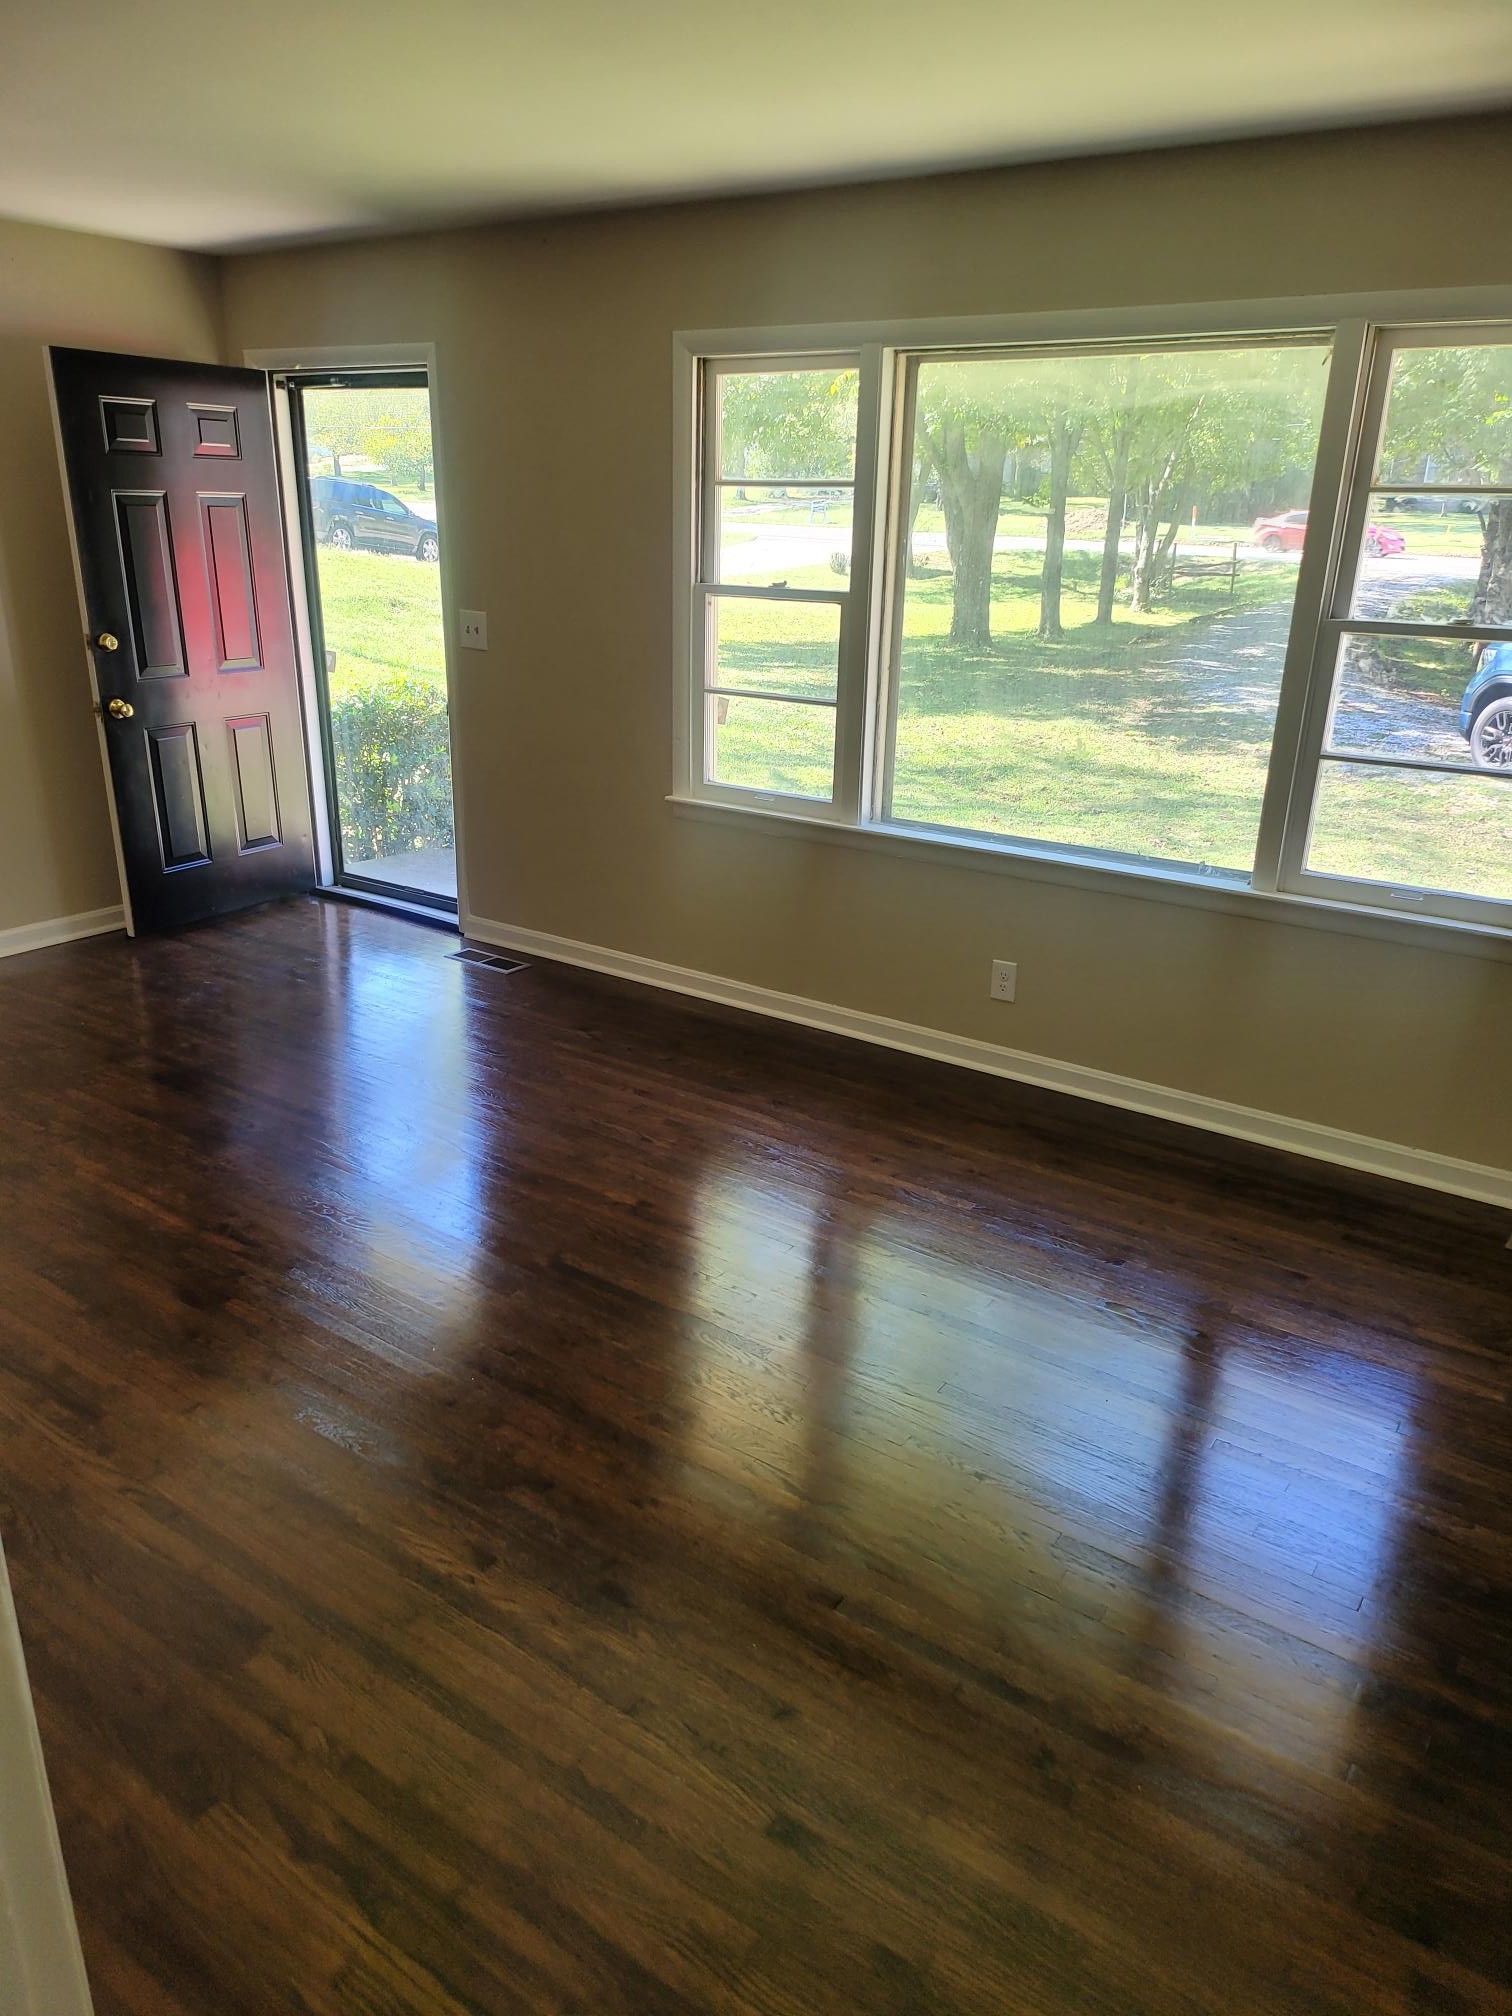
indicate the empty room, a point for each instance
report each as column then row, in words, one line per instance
column 756, row 1010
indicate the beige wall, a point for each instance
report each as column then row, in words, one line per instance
column 64, row 287
column 554, row 346
column 555, row 358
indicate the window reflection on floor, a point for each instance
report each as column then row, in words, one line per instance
column 1131, row 1467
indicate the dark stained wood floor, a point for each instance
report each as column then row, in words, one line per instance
column 525, row 1494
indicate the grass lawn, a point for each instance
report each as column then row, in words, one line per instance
column 1104, row 740
column 382, row 616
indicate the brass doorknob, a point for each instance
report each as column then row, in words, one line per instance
column 107, row 642
column 119, row 710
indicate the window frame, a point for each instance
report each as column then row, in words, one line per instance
column 852, row 599
column 887, row 355
column 1334, row 624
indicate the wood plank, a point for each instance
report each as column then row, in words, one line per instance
column 523, row 1494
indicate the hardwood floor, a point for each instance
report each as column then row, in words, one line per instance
column 525, row 1494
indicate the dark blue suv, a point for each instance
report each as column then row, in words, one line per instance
column 1486, row 709
column 349, row 513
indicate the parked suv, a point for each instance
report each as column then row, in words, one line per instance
column 1486, row 709
column 348, row 513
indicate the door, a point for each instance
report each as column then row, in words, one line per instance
column 377, row 629
column 172, row 480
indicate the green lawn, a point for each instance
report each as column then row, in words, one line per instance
column 1099, row 741
column 382, row 616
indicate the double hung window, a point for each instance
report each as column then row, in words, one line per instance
column 1231, row 608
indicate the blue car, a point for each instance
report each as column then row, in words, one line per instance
column 1486, row 709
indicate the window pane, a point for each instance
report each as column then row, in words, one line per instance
column 773, row 647
column 771, row 745
column 1093, row 632
column 1449, row 416
column 770, row 534
column 1436, row 560
column 787, row 423
column 1414, row 830
column 1409, row 696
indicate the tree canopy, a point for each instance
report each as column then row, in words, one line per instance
column 387, row 427
column 776, row 424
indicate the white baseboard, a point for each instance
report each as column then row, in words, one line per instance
column 1218, row 1116
column 58, row 930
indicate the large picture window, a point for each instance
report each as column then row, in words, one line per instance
column 1228, row 608
column 1094, row 623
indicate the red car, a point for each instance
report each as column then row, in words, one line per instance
column 1286, row 533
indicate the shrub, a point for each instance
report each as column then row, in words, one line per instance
column 393, row 767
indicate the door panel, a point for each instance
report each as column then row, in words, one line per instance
column 178, row 789
column 233, row 592
column 172, row 479
column 256, row 789
column 150, row 589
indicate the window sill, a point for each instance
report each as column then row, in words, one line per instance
column 1147, row 883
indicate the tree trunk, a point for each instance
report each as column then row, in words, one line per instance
column 1153, row 491
column 971, row 494
column 915, row 504
column 1118, row 497
column 1063, row 439
column 1492, row 600
column 1146, row 526
column 1161, row 568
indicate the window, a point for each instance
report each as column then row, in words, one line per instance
column 1413, row 790
column 1092, row 634
column 1230, row 608
column 774, row 595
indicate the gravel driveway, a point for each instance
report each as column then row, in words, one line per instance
column 1232, row 665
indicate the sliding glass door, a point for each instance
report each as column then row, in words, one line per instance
column 372, row 554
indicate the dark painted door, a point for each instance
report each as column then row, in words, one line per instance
column 173, row 484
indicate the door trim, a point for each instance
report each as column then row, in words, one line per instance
column 90, row 667
column 357, row 357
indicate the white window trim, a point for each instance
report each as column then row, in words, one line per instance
column 1279, row 887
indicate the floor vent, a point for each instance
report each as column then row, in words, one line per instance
column 494, row 961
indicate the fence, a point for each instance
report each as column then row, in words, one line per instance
column 1202, row 563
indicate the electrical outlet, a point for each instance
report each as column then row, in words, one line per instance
column 1004, row 983
column 474, row 624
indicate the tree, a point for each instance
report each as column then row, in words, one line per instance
column 384, row 429
column 964, row 448
column 970, row 416
column 1208, row 424
column 1449, row 420
column 1070, row 390
column 779, row 424
column 1112, row 442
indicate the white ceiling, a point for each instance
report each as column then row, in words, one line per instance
column 201, row 123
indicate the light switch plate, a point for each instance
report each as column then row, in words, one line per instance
column 474, row 624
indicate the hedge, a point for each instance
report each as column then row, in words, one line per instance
column 393, row 767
